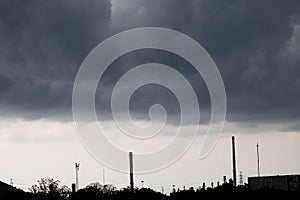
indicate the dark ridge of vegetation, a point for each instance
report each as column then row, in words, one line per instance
column 49, row 189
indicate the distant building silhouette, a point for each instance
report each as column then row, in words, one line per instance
column 287, row 183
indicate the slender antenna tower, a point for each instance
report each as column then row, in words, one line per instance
column 233, row 161
column 11, row 182
column 257, row 153
column 241, row 178
column 131, row 171
column 103, row 178
column 77, row 179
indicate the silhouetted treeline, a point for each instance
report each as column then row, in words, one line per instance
column 96, row 191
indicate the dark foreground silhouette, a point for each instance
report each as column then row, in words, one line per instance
column 49, row 189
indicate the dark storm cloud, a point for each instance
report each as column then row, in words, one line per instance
column 42, row 46
column 255, row 44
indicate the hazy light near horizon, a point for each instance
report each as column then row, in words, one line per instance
column 46, row 156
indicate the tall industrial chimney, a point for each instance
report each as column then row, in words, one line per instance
column 233, row 161
column 131, row 170
column 77, row 179
column 257, row 152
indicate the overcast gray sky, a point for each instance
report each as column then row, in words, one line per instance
column 255, row 44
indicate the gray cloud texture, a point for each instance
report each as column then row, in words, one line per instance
column 42, row 46
column 255, row 44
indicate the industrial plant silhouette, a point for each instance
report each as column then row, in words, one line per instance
column 50, row 189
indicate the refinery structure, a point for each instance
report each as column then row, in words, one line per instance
column 286, row 183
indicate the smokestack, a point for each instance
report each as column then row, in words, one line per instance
column 233, row 161
column 131, row 170
column 257, row 152
column 77, row 179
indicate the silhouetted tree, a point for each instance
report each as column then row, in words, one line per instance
column 94, row 191
column 51, row 188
